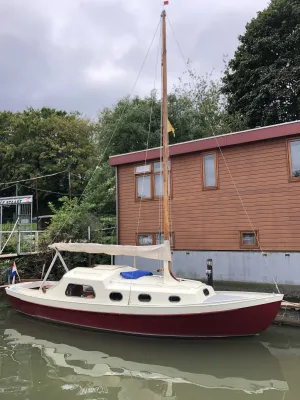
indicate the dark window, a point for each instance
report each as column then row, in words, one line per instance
column 174, row 299
column 144, row 297
column 248, row 240
column 75, row 290
column 206, row 292
column 115, row 296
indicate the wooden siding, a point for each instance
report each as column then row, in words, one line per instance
column 213, row 219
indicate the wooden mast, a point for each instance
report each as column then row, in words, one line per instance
column 165, row 128
column 167, row 267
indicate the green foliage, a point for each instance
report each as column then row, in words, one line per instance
column 71, row 223
column 262, row 81
column 125, row 127
column 41, row 142
column 196, row 109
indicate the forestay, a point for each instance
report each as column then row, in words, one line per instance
column 157, row 252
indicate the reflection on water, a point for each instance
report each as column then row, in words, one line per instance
column 41, row 361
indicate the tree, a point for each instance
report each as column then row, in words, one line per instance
column 71, row 221
column 196, row 109
column 262, row 81
column 131, row 125
column 42, row 142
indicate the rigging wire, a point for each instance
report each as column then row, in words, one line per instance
column 149, row 131
column 8, row 187
column 224, row 159
column 47, row 191
column 33, row 179
column 112, row 135
column 145, row 161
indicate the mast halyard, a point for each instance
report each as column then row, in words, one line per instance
column 167, row 265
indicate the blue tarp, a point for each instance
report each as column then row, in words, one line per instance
column 135, row 274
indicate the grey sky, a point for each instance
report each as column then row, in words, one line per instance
column 86, row 54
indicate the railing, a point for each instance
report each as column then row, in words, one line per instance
column 20, row 241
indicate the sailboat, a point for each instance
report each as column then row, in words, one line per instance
column 124, row 299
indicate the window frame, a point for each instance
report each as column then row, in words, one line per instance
column 143, row 174
column 216, row 165
column 290, row 168
column 172, row 244
column 249, row 246
column 80, row 297
column 152, row 175
column 145, row 234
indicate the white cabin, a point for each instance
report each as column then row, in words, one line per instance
column 104, row 284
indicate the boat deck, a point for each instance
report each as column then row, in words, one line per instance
column 223, row 297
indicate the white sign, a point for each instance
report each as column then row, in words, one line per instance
column 10, row 201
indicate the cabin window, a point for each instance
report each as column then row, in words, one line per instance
column 149, row 181
column 75, row 290
column 249, row 240
column 294, row 160
column 174, row 299
column 116, row 296
column 145, row 298
column 147, row 239
column 206, row 292
column 210, row 171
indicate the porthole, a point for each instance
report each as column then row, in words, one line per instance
column 115, row 296
column 144, row 298
column 206, row 292
column 174, row 299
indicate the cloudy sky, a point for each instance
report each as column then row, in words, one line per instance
column 86, row 54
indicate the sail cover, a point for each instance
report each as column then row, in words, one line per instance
column 157, row 252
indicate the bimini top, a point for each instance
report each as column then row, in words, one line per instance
column 157, row 252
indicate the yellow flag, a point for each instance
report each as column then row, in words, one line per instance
column 170, row 128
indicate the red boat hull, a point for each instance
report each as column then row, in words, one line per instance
column 240, row 322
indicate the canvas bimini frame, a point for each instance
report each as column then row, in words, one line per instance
column 160, row 252
column 57, row 254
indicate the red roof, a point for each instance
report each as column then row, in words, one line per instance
column 210, row 143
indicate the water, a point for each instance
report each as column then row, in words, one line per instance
column 40, row 361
